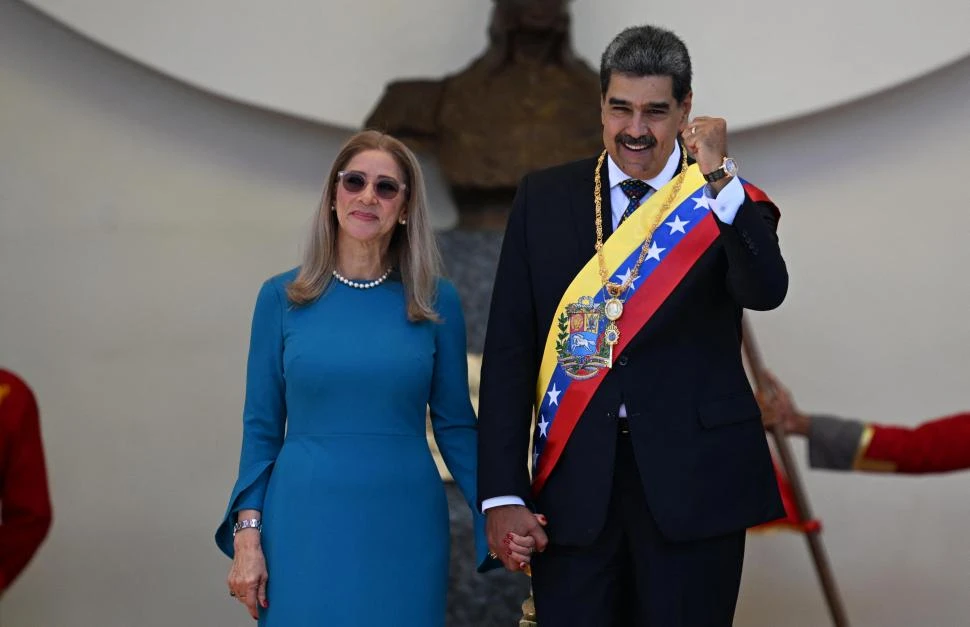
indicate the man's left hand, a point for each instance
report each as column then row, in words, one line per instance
column 706, row 140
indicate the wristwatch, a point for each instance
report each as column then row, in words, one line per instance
column 729, row 167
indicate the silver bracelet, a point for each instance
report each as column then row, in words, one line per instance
column 248, row 523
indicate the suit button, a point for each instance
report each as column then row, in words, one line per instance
column 611, row 415
column 623, row 360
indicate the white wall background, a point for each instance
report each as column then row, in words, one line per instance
column 329, row 61
column 138, row 217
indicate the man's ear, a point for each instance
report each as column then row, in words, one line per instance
column 685, row 107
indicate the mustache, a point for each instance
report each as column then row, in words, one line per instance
column 647, row 141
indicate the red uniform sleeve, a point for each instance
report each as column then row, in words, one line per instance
column 25, row 509
column 940, row 445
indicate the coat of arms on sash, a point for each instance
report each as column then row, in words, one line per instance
column 580, row 346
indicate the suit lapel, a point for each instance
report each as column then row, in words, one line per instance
column 607, row 203
column 583, row 209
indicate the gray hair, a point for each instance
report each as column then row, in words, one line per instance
column 648, row 51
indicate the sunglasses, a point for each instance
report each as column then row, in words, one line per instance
column 385, row 187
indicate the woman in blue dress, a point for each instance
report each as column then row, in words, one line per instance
column 339, row 516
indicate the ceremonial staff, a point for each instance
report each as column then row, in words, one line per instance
column 810, row 526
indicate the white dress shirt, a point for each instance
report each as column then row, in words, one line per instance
column 725, row 205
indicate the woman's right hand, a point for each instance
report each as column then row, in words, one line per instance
column 248, row 576
column 521, row 548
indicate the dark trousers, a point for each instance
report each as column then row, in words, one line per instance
column 630, row 576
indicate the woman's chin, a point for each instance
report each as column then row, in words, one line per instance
column 362, row 231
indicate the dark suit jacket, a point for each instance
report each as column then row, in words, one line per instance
column 696, row 428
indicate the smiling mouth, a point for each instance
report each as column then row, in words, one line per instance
column 363, row 215
column 636, row 147
column 636, row 144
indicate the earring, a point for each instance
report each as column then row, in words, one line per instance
column 403, row 221
column 333, row 206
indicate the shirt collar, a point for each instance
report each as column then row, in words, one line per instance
column 617, row 175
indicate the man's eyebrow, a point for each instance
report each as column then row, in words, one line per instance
column 659, row 104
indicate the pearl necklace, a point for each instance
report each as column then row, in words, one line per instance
column 360, row 285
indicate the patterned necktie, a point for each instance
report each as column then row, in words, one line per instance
column 634, row 189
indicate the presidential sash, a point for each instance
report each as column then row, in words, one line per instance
column 575, row 357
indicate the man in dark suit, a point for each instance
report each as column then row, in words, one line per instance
column 650, row 460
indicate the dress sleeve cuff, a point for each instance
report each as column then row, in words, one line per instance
column 485, row 561
column 247, row 494
column 833, row 443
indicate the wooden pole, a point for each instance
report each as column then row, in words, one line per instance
column 804, row 509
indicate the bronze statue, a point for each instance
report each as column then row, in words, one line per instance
column 527, row 103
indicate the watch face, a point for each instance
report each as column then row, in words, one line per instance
column 730, row 166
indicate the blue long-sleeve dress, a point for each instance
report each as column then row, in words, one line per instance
column 334, row 454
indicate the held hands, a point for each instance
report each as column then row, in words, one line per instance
column 706, row 141
column 248, row 576
column 514, row 533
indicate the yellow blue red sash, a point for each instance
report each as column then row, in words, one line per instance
column 574, row 358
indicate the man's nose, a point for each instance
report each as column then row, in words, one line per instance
column 638, row 125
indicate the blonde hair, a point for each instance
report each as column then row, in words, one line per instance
column 412, row 249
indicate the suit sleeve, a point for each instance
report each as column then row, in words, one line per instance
column 452, row 416
column 509, row 367
column 757, row 276
column 941, row 445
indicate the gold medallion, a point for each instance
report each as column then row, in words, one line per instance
column 613, row 308
column 610, row 337
column 612, row 334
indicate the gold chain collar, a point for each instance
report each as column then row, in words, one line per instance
column 614, row 289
